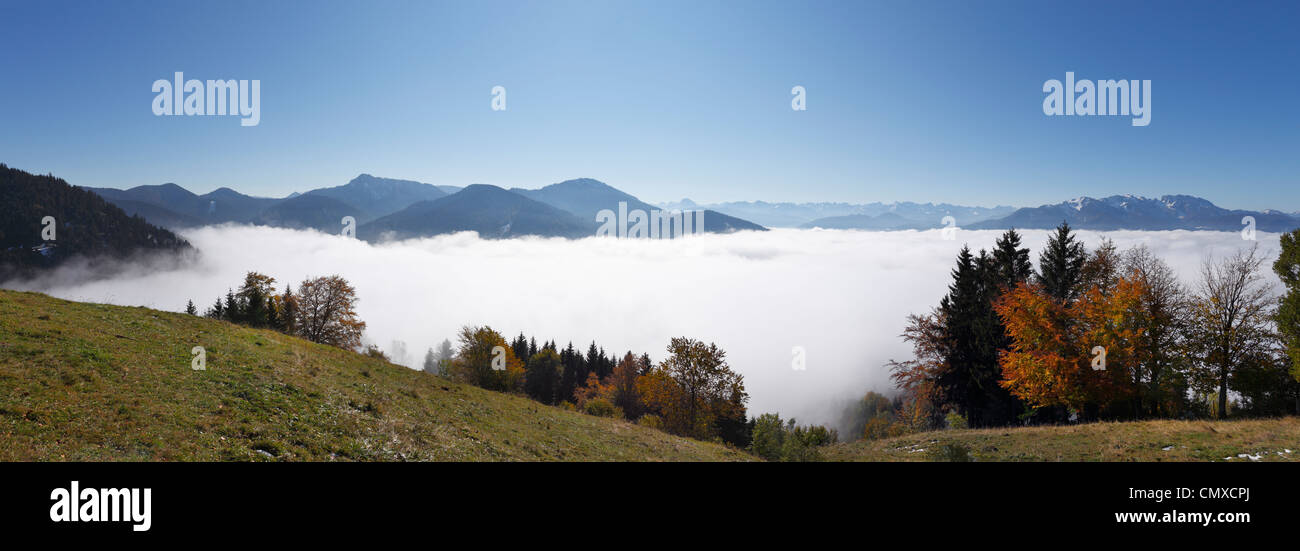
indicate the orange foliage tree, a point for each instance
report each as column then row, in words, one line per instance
column 1082, row 355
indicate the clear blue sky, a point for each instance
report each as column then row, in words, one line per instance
column 917, row 100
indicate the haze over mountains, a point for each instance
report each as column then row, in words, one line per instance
column 1117, row 212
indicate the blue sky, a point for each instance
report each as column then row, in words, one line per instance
column 921, row 101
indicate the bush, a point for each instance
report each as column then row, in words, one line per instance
column 374, row 352
column 601, row 407
column 769, row 437
column 955, row 421
column 775, row 440
column 651, row 421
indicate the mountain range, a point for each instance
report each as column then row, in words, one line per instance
column 868, row 216
column 393, row 208
column 1132, row 212
column 389, row 208
column 1116, row 212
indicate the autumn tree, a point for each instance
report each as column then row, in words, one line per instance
column 622, row 383
column 1079, row 355
column 1231, row 315
column 706, row 389
column 484, row 359
column 1162, row 313
column 915, row 378
column 327, row 312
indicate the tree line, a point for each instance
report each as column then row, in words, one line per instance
column 692, row 392
column 322, row 311
column 1096, row 334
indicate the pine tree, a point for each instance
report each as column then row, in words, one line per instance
column 430, row 362
column 289, row 311
column 968, row 381
column 190, row 309
column 1011, row 263
column 217, row 311
column 520, row 347
column 445, row 355
column 1287, row 267
column 233, row 311
column 542, row 376
column 1061, row 264
column 572, row 374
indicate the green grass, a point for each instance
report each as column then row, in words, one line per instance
column 92, row 382
column 1164, row 440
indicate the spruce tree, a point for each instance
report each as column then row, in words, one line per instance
column 217, row 311
column 1061, row 264
column 973, row 335
column 1287, row 316
column 289, row 313
column 233, row 311
column 430, row 362
column 1011, row 265
column 190, row 309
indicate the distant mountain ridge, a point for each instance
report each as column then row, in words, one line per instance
column 376, row 197
column 1134, row 212
column 586, row 197
column 1116, row 212
column 848, row 215
column 402, row 208
column 489, row 210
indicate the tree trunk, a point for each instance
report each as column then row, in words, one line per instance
column 1223, row 392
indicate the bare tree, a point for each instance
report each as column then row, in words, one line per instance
column 1231, row 315
column 326, row 311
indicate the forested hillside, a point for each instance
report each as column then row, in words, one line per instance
column 46, row 222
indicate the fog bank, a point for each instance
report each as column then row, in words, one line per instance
column 841, row 295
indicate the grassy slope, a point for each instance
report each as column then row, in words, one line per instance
column 1132, row 441
column 93, row 382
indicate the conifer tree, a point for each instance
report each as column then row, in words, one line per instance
column 1061, row 264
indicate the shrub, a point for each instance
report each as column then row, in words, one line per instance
column 651, row 421
column 601, row 407
column 955, row 421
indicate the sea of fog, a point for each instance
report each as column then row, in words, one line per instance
column 843, row 296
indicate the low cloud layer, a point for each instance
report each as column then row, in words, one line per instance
column 841, row 295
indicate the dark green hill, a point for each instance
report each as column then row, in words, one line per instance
column 84, row 225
